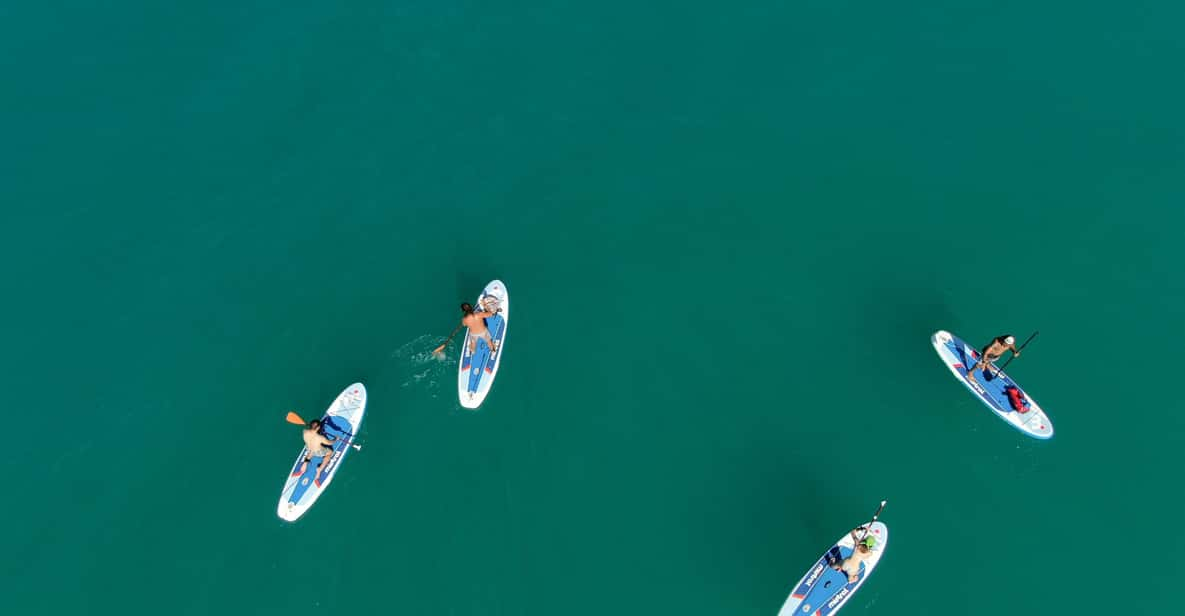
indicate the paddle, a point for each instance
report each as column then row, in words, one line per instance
column 1019, row 349
column 873, row 521
column 293, row 418
column 449, row 339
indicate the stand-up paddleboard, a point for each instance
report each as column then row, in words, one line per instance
column 823, row 590
column 477, row 370
column 1001, row 394
column 341, row 421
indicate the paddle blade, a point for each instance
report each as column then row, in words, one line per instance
column 293, row 418
column 878, row 511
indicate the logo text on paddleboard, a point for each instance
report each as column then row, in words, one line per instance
column 839, row 597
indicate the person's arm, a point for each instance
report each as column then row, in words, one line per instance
column 450, row 336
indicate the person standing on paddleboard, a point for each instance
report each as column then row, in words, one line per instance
column 318, row 445
column 992, row 352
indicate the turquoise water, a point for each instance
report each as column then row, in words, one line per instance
column 728, row 232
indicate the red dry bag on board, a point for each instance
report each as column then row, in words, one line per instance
column 1016, row 399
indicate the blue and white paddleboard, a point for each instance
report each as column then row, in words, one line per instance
column 477, row 370
column 823, row 590
column 959, row 356
column 341, row 420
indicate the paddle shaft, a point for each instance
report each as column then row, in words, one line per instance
column 1019, row 349
column 349, row 440
column 873, row 520
column 351, row 443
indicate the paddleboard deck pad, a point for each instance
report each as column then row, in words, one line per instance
column 824, row 590
column 477, row 369
column 341, row 422
column 998, row 392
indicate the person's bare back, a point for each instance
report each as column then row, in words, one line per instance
column 317, row 445
column 476, row 322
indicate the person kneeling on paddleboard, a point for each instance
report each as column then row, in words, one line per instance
column 851, row 564
column 992, row 352
column 318, row 445
column 476, row 323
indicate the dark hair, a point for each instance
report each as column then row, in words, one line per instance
column 466, row 307
column 1002, row 337
column 313, row 422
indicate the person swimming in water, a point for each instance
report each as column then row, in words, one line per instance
column 992, row 352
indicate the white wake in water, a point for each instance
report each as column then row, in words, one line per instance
column 419, row 367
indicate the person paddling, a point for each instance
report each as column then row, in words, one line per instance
column 992, row 352
column 476, row 322
column 318, row 445
column 861, row 553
